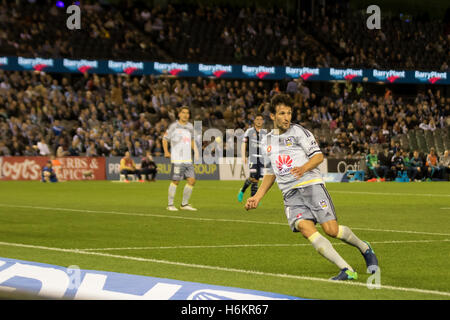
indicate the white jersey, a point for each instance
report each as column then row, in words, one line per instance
column 180, row 137
column 291, row 149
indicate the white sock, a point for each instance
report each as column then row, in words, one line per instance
column 325, row 248
column 347, row 236
column 172, row 191
column 186, row 194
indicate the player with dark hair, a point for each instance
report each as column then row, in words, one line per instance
column 252, row 142
column 293, row 157
column 180, row 135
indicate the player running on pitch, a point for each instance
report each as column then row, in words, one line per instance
column 252, row 139
column 293, row 156
column 180, row 134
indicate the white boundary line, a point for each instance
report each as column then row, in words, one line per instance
column 374, row 193
column 254, row 245
column 203, row 219
column 216, row 268
column 391, row 194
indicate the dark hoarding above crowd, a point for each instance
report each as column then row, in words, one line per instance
column 223, row 71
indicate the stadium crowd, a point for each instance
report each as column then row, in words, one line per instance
column 103, row 115
column 330, row 37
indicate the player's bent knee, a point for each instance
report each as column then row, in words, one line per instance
column 332, row 232
column 305, row 228
column 331, row 228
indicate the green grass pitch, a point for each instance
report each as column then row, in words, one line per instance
column 118, row 227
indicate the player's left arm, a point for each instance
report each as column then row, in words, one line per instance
column 312, row 150
column 316, row 160
column 194, row 147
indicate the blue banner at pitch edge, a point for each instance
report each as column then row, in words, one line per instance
column 56, row 282
column 224, row 71
column 202, row 171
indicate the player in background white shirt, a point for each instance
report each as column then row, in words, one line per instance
column 292, row 157
column 180, row 135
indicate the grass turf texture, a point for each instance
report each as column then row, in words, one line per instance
column 222, row 244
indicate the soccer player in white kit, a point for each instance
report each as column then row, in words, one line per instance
column 293, row 156
column 180, row 134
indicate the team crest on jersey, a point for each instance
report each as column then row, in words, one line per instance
column 284, row 164
column 323, row 204
column 289, row 141
column 269, row 148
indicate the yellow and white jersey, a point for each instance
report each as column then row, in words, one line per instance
column 180, row 137
column 283, row 152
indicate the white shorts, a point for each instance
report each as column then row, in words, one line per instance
column 308, row 203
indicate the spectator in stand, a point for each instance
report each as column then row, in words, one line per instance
column 137, row 150
column 444, row 165
column 91, row 151
column 43, row 148
column 416, row 167
column 292, row 88
column 148, row 167
column 104, row 149
column 158, row 150
column 29, row 152
column 76, row 147
column 373, row 166
column 394, row 147
column 407, row 164
column 431, row 164
column 118, row 149
column 398, row 166
column 4, row 151
column 384, row 159
column 62, row 150
column 428, row 125
column 57, row 128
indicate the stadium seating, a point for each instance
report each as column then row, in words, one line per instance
column 115, row 32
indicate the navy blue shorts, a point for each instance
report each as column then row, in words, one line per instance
column 256, row 170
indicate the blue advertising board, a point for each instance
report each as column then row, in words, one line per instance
column 56, row 282
column 202, row 171
column 224, row 71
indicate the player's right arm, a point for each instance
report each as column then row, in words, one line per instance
column 243, row 152
column 267, row 181
column 165, row 143
column 244, row 145
column 265, row 186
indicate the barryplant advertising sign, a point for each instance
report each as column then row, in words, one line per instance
column 181, row 69
column 80, row 65
column 37, row 64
